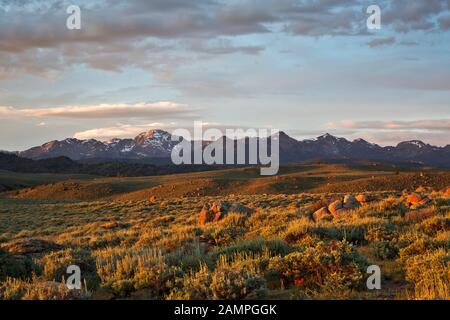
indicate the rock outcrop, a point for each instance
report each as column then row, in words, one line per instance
column 364, row 198
column 337, row 209
column 218, row 210
column 447, row 192
column 350, row 202
column 415, row 200
column 322, row 213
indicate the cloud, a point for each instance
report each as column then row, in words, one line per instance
column 132, row 130
column 157, row 34
column 388, row 133
column 381, row 42
column 154, row 110
column 406, row 15
column 393, row 138
column 432, row 125
column 444, row 22
column 121, row 131
column 223, row 46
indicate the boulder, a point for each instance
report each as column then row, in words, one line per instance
column 350, row 202
column 217, row 211
column 322, row 213
column 206, row 215
column 334, row 206
column 33, row 246
column 416, row 200
column 337, row 209
column 447, row 192
column 364, row 198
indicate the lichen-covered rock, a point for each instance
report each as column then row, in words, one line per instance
column 322, row 213
column 335, row 206
column 206, row 215
column 216, row 211
column 416, row 200
column 364, row 198
column 447, row 192
column 350, row 202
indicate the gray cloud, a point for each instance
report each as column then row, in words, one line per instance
column 393, row 138
column 381, row 42
column 444, row 22
column 392, row 132
column 158, row 35
column 406, row 15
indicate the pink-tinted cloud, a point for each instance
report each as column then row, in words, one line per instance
column 155, row 110
column 433, row 125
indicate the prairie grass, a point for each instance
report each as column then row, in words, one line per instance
column 155, row 249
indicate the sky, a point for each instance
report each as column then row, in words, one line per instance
column 305, row 67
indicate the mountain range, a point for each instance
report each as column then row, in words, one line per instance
column 158, row 144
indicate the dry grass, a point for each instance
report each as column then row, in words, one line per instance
column 155, row 249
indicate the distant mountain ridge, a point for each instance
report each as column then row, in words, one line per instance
column 159, row 144
column 151, row 144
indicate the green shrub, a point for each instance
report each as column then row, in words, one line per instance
column 258, row 245
column 430, row 274
column 16, row 266
column 56, row 263
column 422, row 246
column 188, row 257
column 381, row 233
column 157, row 280
column 122, row 288
column 352, row 233
column 311, row 267
column 224, row 236
column 385, row 250
column 434, row 225
column 38, row 289
column 223, row 283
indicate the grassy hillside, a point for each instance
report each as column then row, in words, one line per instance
column 157, row 249
column 229, row 235
column 15, row 180
column 247, row 181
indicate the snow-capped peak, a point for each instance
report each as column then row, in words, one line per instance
column 152, row 136
column 416, row 143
